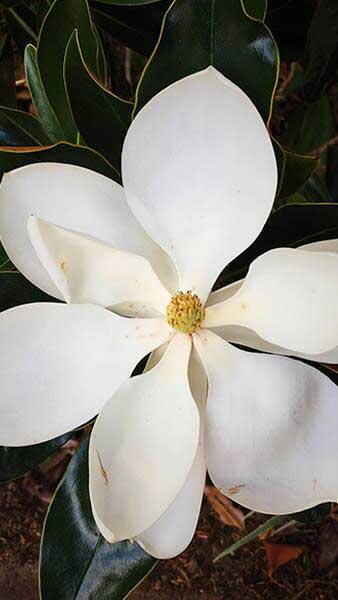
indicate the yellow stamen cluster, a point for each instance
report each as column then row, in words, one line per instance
column 185, row 312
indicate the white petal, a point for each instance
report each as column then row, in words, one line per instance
column 323, row 246
column 75, row 198
column 229, row 290
column 86, row 270
column 61, row 363
column 271, row 428
column 289, row 299
column 223, row 293
column 200, row 174
column 143, row 445
column 173, row 532
column 246, row 337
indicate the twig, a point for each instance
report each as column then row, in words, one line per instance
column 23, row 24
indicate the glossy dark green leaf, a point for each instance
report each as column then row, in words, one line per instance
column 321, row 51
column 101, row 117
column 15, row 289
column 128, row 2
column 10, row 3
column 213, row 32
column 63, row 17
column 293, row 171
column 297, row 171
column 15, row 462
column 42, row 105
column 315, row 190
column 317, row 514
column 289, row 20
column 76, row 563
column 309, row 127
column 102, row 66
column 137, row 27
column 63, row 152
column 256, row 8
column 18, row 128
column 7, row 78
column 289, row 226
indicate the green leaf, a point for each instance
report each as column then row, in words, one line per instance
column 42, row 105
column 7, row 78
column 76, row 563
column 256, row 8
column 275, row 521
column 213, row 32
column 137, row 27
column 10, row 3
column 309, row 127
column 315, row 190
column 63, row 152
column 15, row 289
column 63, row 17
column 15, row 462
column 290, row 226
column 321, row 50
column 297, row 171
column 18, row 128
column 128, row 2
column 101, row 117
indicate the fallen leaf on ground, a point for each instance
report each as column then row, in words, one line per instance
column 280, row 554
column 226, row 511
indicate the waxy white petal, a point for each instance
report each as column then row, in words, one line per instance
column 223, row 293
column 61, row 363
column 289, row 298
column 227, row 291
column 88, row 271
column 200, row 174
column 271, row 428
column 75, row 198
column 246, row 337
column 322, row 246
column 173, row 532
column 143, row 446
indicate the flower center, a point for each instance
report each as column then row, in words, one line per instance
column 185, row 312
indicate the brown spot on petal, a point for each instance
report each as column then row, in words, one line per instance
column 102, row 469
column 237, row 488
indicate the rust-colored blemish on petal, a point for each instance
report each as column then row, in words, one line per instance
column 102, row 469
column 236, row 489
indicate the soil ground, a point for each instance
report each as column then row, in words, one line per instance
column 189, row 577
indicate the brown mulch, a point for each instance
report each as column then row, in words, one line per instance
column 188, row 577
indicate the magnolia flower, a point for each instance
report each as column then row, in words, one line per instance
column 199, row 177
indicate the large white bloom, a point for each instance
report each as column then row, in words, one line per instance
column 199, row 181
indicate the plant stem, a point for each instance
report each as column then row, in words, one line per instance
column 273, row 522
column 23, row 24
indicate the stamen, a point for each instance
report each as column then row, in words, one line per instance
column 185, row 312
